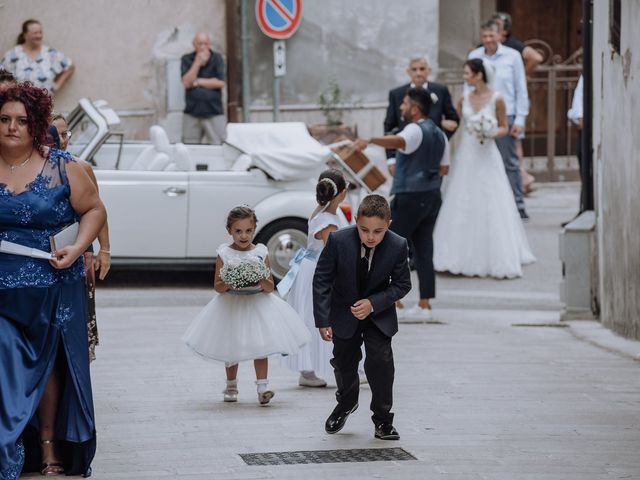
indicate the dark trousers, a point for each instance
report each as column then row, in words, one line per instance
column 583, row 171
column 378, row 366
column 414, row 218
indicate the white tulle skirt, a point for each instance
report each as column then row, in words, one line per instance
column 233, row 328
column 317, row 353
column 479, row 231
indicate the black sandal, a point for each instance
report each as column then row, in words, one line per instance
column 51, row 468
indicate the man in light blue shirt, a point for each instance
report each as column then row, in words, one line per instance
column 510, row 82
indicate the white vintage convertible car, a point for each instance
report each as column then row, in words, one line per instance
column 167, row 203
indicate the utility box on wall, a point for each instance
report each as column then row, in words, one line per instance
column 175, row 89
column 579, row 275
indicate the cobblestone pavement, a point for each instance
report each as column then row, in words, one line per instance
column 476, row 397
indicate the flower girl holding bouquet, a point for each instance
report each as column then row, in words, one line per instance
column 245, row 321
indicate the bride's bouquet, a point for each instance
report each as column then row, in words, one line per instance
column 482, row 126
column 243, row 273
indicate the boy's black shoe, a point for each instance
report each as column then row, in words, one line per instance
column 337, row 419
column 386, row 431
column 523, row 214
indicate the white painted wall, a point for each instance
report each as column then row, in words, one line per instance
column 616, row 146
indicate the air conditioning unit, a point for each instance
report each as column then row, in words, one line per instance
column 578, row 288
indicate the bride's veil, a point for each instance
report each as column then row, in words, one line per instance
column 490, row 72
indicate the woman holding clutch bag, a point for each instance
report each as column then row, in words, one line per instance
column 46, row 405
column 102, row 262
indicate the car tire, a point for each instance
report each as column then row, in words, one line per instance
column 283, row 238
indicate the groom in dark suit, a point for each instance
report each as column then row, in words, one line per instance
column 361, row 273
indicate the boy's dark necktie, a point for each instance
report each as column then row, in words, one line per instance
column 363, row 272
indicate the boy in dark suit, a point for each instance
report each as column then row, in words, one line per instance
column 361, row 273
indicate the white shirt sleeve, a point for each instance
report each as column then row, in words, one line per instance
column 446, row 156
column 521, row 93
column 575, row 113
column 412, row 135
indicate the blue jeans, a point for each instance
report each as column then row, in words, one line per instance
column 507, row 147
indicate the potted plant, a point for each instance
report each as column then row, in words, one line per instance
column 333, row 130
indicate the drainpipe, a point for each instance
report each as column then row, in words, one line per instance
column 246, row 94
column 233, row 68
column 587, row 200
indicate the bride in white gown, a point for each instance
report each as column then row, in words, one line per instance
column 479, row 231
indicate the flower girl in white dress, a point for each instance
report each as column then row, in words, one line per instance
column 245, row 321
column 297, row 286
column 479, row 231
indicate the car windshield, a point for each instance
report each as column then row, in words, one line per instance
column 83, row 132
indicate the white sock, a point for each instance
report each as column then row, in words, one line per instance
column 262, row 385
column 232, row 384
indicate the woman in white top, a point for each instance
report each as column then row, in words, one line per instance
column 296, row 287
column 36, row 62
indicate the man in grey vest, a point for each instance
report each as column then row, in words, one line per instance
column 421, row 162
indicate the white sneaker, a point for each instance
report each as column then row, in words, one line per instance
column 419, row 314
column 309, row 379
column 230, row 394
column 265, row 397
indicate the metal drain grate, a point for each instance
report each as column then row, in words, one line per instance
column 416, row 321
column 545, row 325
column 328, row 456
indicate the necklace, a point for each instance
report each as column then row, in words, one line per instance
column 13, row 168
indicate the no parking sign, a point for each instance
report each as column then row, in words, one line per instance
column 278, row 19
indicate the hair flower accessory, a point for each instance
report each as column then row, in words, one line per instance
column 332, row 184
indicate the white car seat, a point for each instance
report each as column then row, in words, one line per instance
column 161, row 155
column 181, row 158
column 148, row 157
column 160, row 139
column 157, row 155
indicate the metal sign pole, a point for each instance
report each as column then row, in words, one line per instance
column 246, row 86
column 276, row 99
column 278, row 19
column 279, row 70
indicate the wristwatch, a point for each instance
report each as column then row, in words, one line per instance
column 196, row 83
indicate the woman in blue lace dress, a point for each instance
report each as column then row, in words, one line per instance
column 46, row 405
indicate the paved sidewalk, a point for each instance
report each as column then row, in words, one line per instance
column 476, row 397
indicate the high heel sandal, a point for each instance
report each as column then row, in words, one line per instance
column 51, row 468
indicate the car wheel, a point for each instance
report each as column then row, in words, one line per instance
column 283, row 239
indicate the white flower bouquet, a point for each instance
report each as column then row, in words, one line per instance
column 482, row 126
column 244, row 273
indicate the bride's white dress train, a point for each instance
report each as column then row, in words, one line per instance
column 479, row 231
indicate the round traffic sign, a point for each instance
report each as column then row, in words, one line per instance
column 279, row 19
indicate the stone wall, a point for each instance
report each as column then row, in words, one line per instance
column 363, row 44
column 617, row 168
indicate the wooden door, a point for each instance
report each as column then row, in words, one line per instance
column 555, row 29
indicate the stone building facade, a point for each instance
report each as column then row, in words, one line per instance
column 616, row 147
